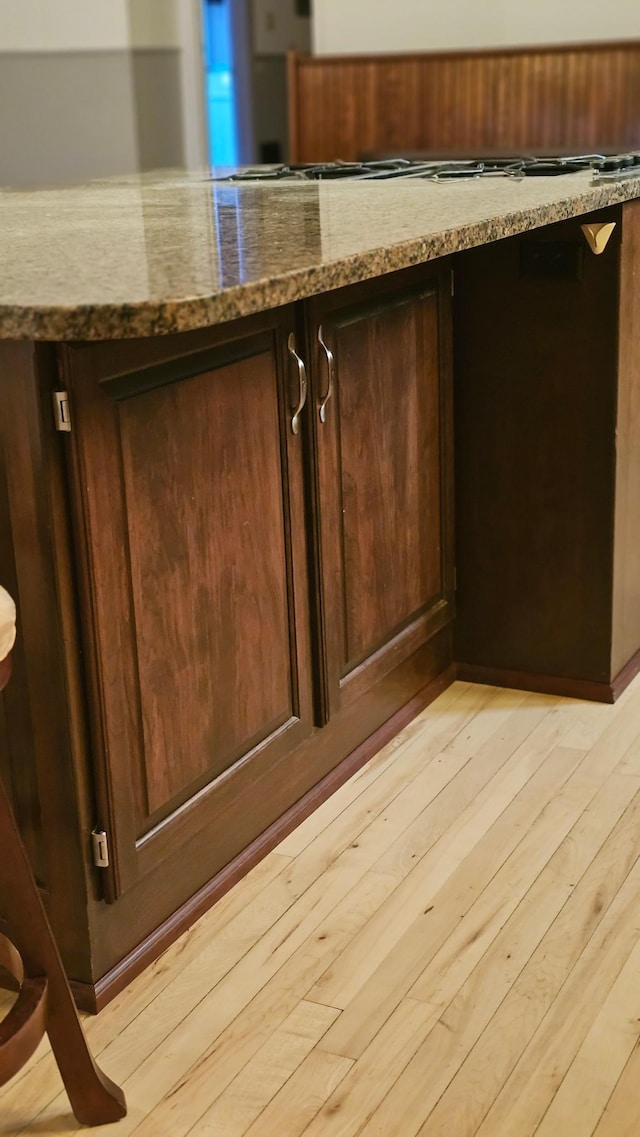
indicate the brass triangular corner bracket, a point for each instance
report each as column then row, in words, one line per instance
column 598, row 235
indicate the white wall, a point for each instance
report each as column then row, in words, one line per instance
column 63, row 25
column 89, row 25
column 154, row 23
column 90, row 88
column 370, row 26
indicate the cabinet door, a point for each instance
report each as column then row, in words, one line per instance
column 188, row 481
column 383, row 450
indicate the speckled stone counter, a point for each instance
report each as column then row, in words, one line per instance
column 151, row 255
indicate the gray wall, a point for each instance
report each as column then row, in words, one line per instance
column 72, row 116
column 428, row 25
column 66, row 116
column 158, row 103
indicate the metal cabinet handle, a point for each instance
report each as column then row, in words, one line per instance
column 302, row 380
column 331, row 366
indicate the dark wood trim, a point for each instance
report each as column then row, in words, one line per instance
column 94, row 997
column 297, row 58
column 625, row 676
column 109, row 360
column 544, row 684
column 547, row 98
column 145, row 379
column 552, row 684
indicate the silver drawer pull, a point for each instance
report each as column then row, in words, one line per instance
column 302, row 380
column 331, row 367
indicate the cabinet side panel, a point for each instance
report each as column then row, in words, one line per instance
column 626, row 601
column 535, row 381
column 208, row 570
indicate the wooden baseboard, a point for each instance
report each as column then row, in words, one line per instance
column 544, row 684
column 94, row 997
column 552, row 684
column 624, row 677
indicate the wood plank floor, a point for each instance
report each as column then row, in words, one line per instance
column 450, row 946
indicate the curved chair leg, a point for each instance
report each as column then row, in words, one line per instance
column 95, row 1100
column 23, row 1028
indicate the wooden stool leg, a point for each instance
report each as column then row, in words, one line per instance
column 95, row 1100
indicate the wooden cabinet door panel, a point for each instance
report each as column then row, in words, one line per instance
column 383, row 457
column 190, row 487
column 207, row 555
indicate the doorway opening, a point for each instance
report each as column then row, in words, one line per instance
column 245, row 44
column 220, row 83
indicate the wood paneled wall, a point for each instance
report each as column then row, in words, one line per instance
column 575, row 97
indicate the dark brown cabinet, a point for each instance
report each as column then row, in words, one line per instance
column 547, row 459
column 241, row 612
column 382, row 420
column 221, row 617
column 189, row 501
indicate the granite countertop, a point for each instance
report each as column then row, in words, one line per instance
column 166, row 253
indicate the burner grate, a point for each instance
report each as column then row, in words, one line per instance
column 604, row 166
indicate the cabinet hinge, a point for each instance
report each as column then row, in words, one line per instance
column 61, row 410
column 100, row 844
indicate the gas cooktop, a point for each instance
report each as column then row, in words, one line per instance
column 605, row 167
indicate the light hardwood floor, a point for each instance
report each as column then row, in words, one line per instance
column 450, row 946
